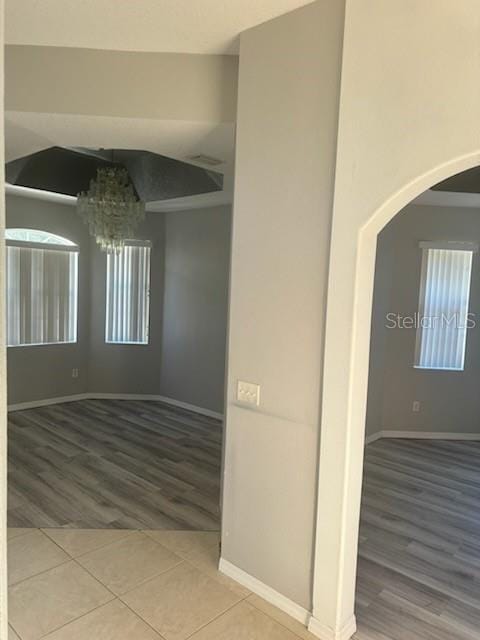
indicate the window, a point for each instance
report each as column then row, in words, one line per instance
column 443, row 305
column 128, row 294
column 42, row 288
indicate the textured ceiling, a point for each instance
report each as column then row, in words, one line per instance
column 30, row 132
column 190, row 26
column 71, row 171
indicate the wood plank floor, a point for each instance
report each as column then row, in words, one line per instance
column 114, row 464
column 419, row 556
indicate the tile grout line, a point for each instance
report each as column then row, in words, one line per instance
column 274, row 619
column 20, row 535
column 182, row 561
column 138, row 615
column 35, row 575
column 71, row 559
column 102, row 546
column 217, row 617
column 119, row 598
column 142, row 619
column 11, row 625
column 87, row 613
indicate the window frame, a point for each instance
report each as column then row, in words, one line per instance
column 64, row 245
column 147, row 244
column 450, row 245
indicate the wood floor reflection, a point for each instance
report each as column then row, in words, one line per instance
column 114, row 464
column 419, row 557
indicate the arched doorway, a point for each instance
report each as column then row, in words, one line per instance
column 343, row 427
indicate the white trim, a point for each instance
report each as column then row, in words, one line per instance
column 447, row 199
column 373, row 437
column 421, row 435
column 325, row 633
column 116, row 396
column 280, row 601
column 449, row 245
column 47, row 401
column 39, row 194
column 44, row 246
column 344, row 388
column 140, row 396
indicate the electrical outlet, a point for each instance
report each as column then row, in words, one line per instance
column 416, row 406
column 248, row 393
column 74, row 373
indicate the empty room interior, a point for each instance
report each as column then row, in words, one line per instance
column 239, row 330
column 116, row 349
column 418, row 545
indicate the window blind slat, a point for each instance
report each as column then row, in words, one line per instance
column 127, row 316
column 42, row 289
column 443, row 309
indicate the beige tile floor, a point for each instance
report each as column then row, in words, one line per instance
column 131, row 585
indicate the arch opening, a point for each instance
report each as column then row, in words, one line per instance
column 342, row 444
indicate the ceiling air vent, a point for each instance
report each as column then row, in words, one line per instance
column 208, row 160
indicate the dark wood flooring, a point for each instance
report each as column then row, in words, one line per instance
column 419, row 556
column 113, row 464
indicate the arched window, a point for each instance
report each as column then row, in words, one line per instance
column 42, row 288
column 37, row 236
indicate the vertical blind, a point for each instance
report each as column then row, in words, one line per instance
column 41, row 295
column 128, row 295
column 443, row 308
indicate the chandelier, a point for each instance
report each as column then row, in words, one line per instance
column 111, row 208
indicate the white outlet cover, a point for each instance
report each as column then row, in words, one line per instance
column 248, row 393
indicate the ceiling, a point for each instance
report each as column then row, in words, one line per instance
column 183, row 26
column 433, row 198
column 151, row 176
column 460, row 190
column 182, row 114
column 27, row 133
column 463, row 182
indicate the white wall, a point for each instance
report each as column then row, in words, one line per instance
column 197, row 264
column 450, row 401
column 287, row 119
column 3, row 365
column 165, row 86
column 409, row 109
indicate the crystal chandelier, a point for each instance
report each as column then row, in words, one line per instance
column 111, row 209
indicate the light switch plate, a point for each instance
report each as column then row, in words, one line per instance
column 248, row 393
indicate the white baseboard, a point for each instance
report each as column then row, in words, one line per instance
column 148, row 396
column 373, row 437
column 421, row 435
column 264, row 591
column 191, row 407
column 115, row 396
column 326, row 633
column 44, row 403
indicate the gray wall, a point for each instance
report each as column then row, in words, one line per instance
column 188, row 313
column 450, row 400
column 285, row 158
column 39, row 372
column 378, row 345
column 116, row 368
column 197, row 262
